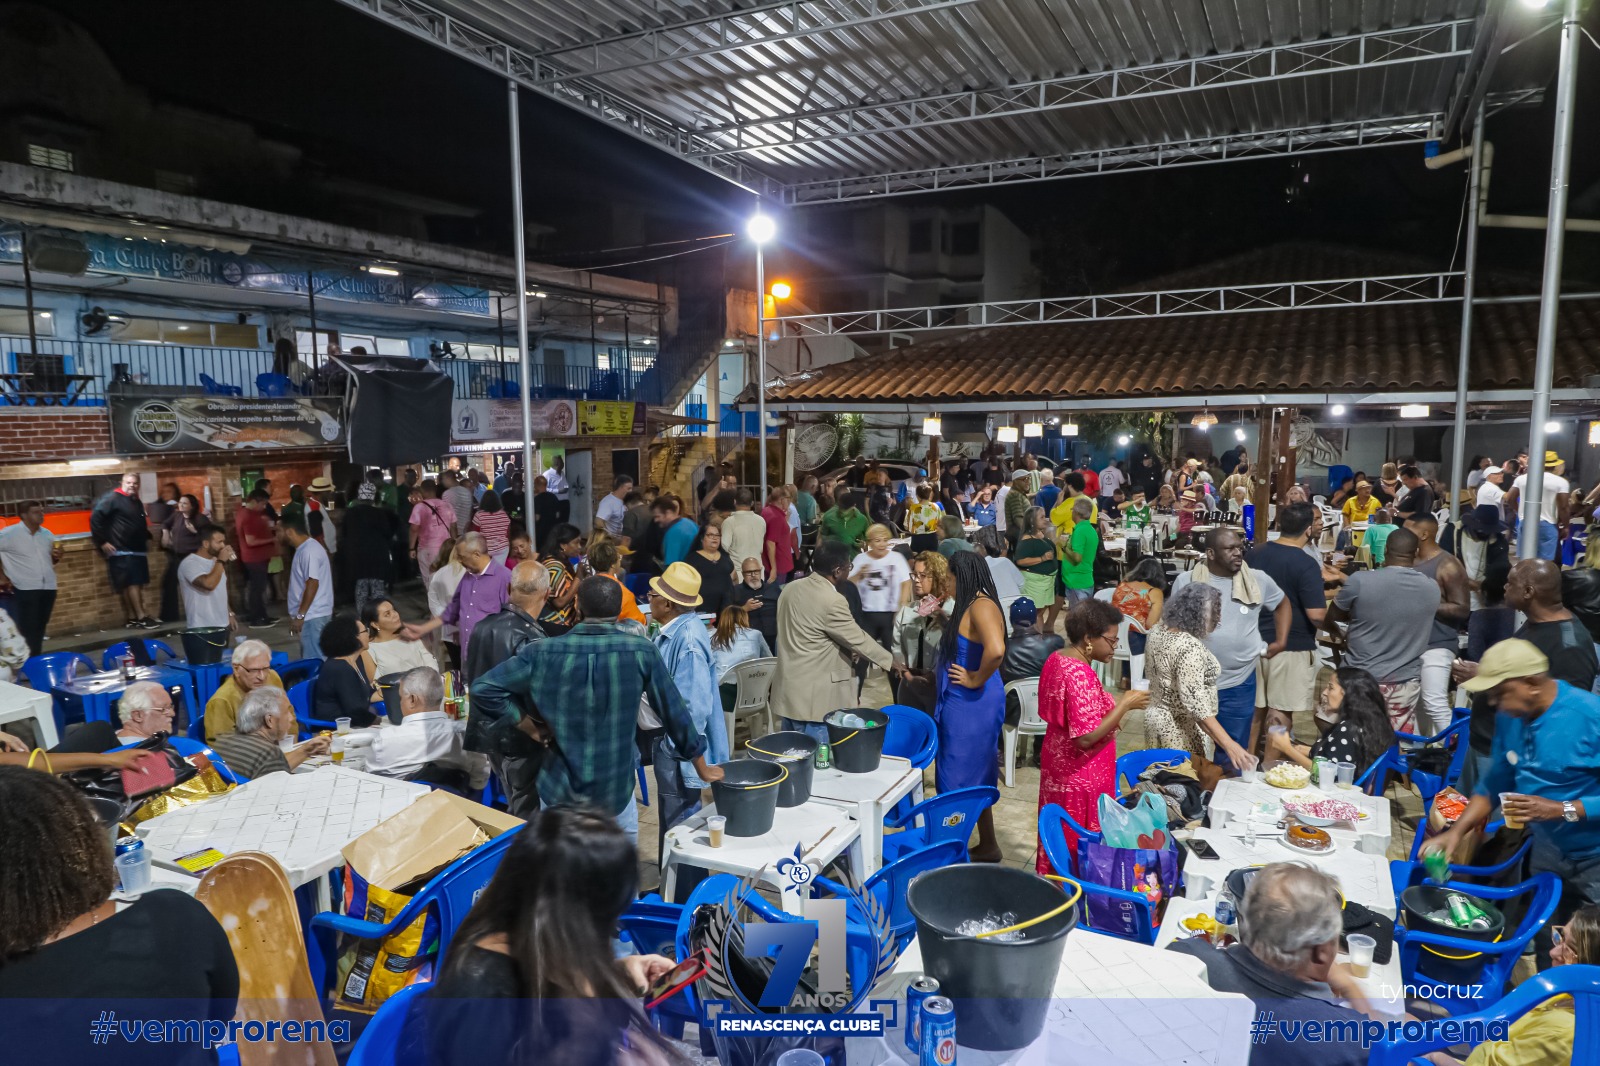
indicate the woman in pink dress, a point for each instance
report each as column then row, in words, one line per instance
column 1078, row 762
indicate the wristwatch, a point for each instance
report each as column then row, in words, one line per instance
column 1569, row 810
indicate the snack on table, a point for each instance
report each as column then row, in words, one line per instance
column 1307, row 838
column 1337, row 810
column 1288, row 775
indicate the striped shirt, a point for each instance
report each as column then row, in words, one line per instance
column 496, row 529
column 586, row 686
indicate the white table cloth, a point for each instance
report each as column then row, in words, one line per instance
column 1363, row 877
column 1115, row 1002
column 821, row 831
column 18, row 704
column 1235, row 800
column 302, row 820
column 868, row 797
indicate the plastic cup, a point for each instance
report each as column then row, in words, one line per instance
column 800, row 1056
column 133, row 871
column 341, row 726
column 715, row 825
column 1361, row 948
column 1142, row 685
column 336, row 750
column 1511, row 823
column 1251, row 776
column 1347, row 774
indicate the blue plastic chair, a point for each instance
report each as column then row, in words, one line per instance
column 212, row 387
column 274, row 385
column 1582, row 983
column 1134, row 763
column 1479, row 970
column 949, row 816
column 1063, row 860
column 651, row 926
column 1403, row 873
column 910, row 734
column 309, row 667
column 380, row 1042
column 185, row 746
column 152, row 647
column 450, row 895
column 45, row 672
column 301, row 698
column 888, row 885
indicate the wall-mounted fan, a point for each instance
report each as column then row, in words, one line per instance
column 814, row 445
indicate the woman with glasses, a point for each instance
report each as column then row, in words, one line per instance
column 1183, row 678
column 1078, row 759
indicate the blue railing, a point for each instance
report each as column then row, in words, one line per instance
column 81, row 373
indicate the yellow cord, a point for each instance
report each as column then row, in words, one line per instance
column 1077, row 894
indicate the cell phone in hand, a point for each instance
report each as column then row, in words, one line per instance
column 676, row 979
column 1201, row 849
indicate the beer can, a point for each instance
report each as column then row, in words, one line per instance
column 127, row 844
column 937, row 1020
column 823, row 759
column 916, row 995
column 1462, row 912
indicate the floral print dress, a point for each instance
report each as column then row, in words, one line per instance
column 1183, row 690
column 1073, row 704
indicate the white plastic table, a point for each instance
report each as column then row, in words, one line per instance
column 869, row 797
column 1115, row 1002
column 1363, row 877
column 821, row 831
column 302, row 820
column 1235, row 799
column 1383, row 984
column 18, row 704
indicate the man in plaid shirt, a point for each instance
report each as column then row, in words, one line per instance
column 578, row 695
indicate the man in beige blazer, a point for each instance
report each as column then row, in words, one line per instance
column 816, row 639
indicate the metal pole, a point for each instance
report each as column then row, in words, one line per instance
column 27, row 289
column 1469, row 277
column 524, row 369
column 1550, row 291
column 761, row 370
column 311, row 300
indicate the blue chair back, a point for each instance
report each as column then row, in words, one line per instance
column 948, row 816
column 44, row 672
column 159, row 651
column 910, row 734
column 1491, row 961
column 212, row 387
column 651, row 926
column 888, row 886
column 449, row 895
column 299, row 670
column 380, row 1042
column 1063, row 859
column 1376, row 777
column 1580, row 982
column 274, row 385
column 302, row 697
column 1134, row 763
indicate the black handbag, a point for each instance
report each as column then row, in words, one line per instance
column 107, row 782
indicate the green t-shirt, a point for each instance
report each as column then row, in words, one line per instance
column 1085, row 540
column 1034, row 547
column 1137, row 517
column 847, row 526
column 1375, row 538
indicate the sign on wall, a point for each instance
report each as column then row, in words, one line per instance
column 149, row 425
column 501, row 420
column 603, row 418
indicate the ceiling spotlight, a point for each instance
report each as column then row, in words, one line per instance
column 1069, row 429
column 1238, row 434
column 1008, row 434
column 1033, row 429
column 761, row 229
column 931, row 426
column 1338, row 409
column 381, row 271
column 1203, row 421
column 1552, row 427
column 1124, row 440
column 1414, row 410
column 781, row 290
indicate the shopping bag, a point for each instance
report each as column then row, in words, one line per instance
column 1144, row 825
column 1148, row 872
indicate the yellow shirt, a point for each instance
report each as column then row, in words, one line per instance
column 1354, row 512
column 1542, row 1037
column 222, row 709
column 1061, row 513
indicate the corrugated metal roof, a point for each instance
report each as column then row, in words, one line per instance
column 957, row 47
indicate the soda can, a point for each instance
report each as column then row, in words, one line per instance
column 1225, row 912
column 937, row 1020
column 126, row 662
column 921, row 989
column 127, row 844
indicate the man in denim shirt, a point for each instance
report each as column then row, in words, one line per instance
column 685, row 647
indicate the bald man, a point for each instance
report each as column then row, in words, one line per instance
column 1534, row 588
column 1444, row 641
column 515, row 758
column 1390, row 612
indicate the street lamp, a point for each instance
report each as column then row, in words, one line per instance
column 781, row 290
column 761, row 229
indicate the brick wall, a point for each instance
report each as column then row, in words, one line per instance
column 43, row 434
column 84, row 599
column 602, row 471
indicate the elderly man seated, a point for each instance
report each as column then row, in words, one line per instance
column 252, row 668
column 426, row 745
column 1289, row 926
column 256, row 746
column 145, row 709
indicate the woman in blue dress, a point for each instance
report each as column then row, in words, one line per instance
column 972, row 702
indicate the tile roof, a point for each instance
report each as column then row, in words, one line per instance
column 1373, row 348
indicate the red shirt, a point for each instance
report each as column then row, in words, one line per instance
column 254, row 524
column 1091, row 482
column 778, row 533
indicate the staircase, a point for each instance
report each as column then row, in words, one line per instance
column 702, row 326
column 673, row 463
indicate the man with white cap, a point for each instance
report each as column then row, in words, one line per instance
column 685, row 647
column 1555, row 505
column 1544, row 768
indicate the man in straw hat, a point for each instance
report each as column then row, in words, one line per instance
column 685, row 647
column 1544, row 772
column 817, row 641
column 1555, row 505
column 578, row 695
column 319, row 514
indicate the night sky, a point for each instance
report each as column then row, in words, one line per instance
column 374, row 104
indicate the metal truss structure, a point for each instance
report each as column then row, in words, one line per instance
column 1362, row 51
column 1173, row 303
